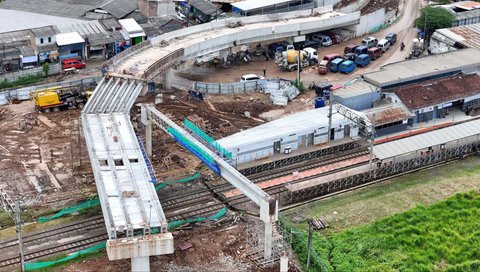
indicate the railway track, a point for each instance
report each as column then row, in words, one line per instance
column 176, row 208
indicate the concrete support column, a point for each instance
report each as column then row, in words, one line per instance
column 167, row 79
column 284, row 263
column 141, row 264
column 268, row 240
column 148, row 138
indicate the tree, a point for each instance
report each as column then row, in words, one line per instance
column 436, row 18
column 46, row 67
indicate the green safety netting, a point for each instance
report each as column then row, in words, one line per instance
column 207, row 138
column 171, row 225
column 189, row 145
column 184, row 180
column 175, row 224
column 95, row 202
column 71, row 209
column 39, row 265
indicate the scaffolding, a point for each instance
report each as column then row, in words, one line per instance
column 281, row 242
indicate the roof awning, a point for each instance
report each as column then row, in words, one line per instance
column 69, row 38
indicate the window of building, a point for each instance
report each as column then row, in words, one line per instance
column 41, row 40
column 49, row 39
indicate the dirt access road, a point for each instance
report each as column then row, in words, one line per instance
column 403, row 27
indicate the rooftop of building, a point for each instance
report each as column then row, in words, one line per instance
column 415, row 69
column 467, row 35
column 388, row 113
column 12, row 20
column 254, row 4
column 434, row 92
column 290, row 124
column 71, row 9
column 358, row 87
column 46, row 31
column 204, row 6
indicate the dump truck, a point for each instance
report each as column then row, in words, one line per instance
column 287, row 61
column 55, row 99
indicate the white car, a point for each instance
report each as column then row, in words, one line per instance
column 250, row 77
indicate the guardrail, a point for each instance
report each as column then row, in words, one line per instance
column 127, row 52
column 24, row 93
column 163, row 64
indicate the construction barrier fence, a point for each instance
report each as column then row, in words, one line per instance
column 39, row 265
column 95, row 202
column 207, row 138
column 171, row 225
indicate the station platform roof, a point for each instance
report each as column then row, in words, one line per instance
column 426, row 140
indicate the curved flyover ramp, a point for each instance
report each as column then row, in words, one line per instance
column 155, row 57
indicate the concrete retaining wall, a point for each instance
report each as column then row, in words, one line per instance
column 24, row 93
column 370, row 22
column 54, row 70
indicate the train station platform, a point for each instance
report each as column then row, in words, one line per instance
column 304, row 174
column 299, row 155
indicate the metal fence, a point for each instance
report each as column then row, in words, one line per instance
column 24, row 93
column 228, row 88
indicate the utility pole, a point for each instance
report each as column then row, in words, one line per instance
column 310, row 233
column 372, row 139
column 330, row 105
column 18, row 223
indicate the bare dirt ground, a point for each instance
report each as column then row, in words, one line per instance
column 44, row 162
column 221, row 248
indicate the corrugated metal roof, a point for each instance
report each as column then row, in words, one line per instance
column 469, row 34
column 119, row 8
column 46, row 31
column 69, row 38
column 290, row 124
column 357, row 88
column 425, row 140
column 204, row 6
column 91, row 30
column 392, row 112
column 255, row 4
column 413, row 69
column 434, row 92
column 11, row 20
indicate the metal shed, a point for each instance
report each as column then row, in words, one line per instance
column 358, row 96
column 289, row 133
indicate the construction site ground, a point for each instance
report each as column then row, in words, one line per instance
column 45, row 164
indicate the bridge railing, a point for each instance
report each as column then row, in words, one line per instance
column 126, row 53
column 163, row 64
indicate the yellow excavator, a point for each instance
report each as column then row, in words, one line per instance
column 56, row 99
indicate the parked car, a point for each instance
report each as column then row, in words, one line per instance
column 350, row 48
column 324, row 40
column 307, row 43
column 335, row 37
column 335, row 64
column 330, row 57
column 363, row 49
column 391, row 37
column 73, row 63
column 362, row 60
column 250, row 77
column 383, row 44
column 347, row 67
column 370, row 41
column 323, row 67
column 349, row 56
column 374, row 52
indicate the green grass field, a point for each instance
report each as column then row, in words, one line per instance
column 425, row 221
column 442, row 237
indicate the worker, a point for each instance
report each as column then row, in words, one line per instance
column 104, row 70
column 107, row 76
column 264, row 72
